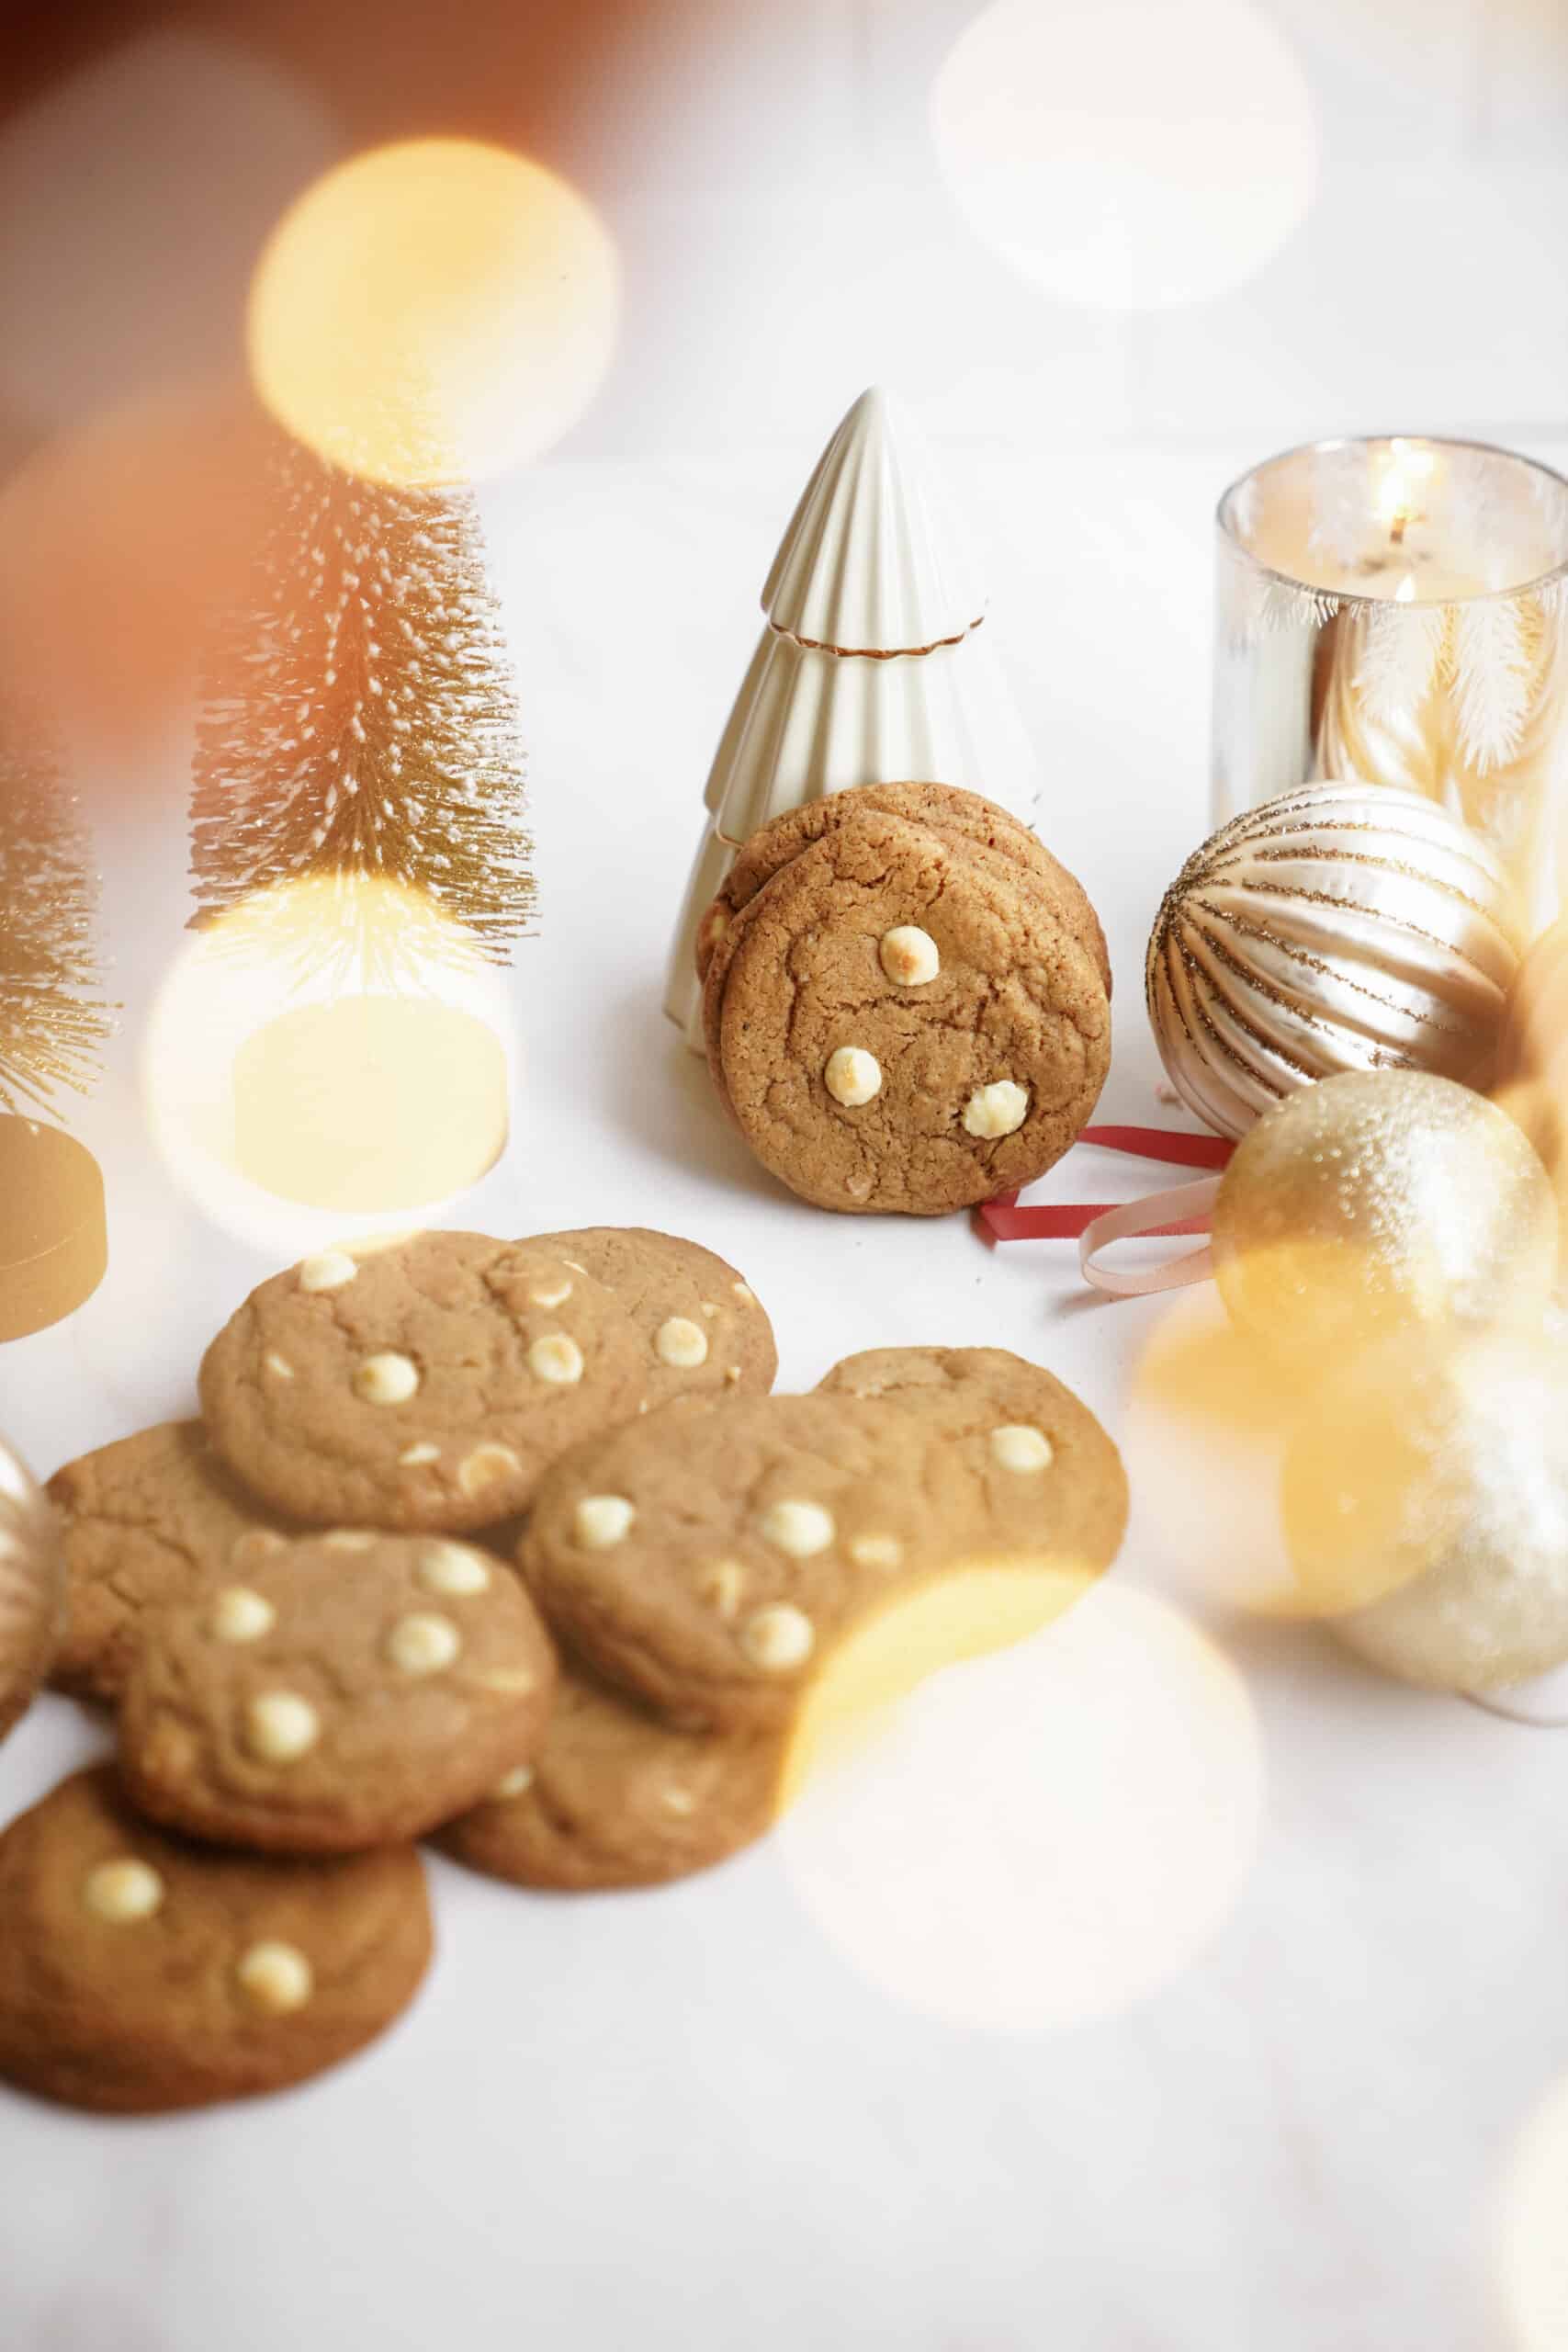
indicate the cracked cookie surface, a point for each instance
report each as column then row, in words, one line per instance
column 140, row 1973
column 355, row 1689
column 865, row 1090
column 424, row 1385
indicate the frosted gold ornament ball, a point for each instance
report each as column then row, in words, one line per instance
column 32, row 1587
column 1425, row 1508
column 1375, row 1204
column 1338, row 927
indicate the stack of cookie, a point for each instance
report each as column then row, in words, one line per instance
column 307, row 1613
column 906, row 1000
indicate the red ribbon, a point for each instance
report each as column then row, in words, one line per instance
column 1003, row 1220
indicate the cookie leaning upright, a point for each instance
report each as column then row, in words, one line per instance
column 424, row 1385
column 139, row 1974
column 900, row 1021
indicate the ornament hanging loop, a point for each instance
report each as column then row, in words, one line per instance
column 1184, row 1208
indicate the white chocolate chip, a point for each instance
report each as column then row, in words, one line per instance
column 327, row 1270
column 601, row 1520
column 732, row 1373
column 679, row 1800
column 778, row 1638
column 348, row 1539
column 799, row 1529
column 385, row 1380
column 877, row 1552
column 238, row 1615
column 908, row 955
column 553, row 1294
column 999, row 1109
column 455, row 1569
column 853, row 1076
column 417, row 1457
column 723, row 1585
column 681, row 1344
column 279, row 1367
column 423, row 1643
column 1016, row 1446
column 256, row 1544
column 557, row 1359
column 275, row 1978
column 515, row 1783
column 512, row 1681
column 486, row 1465
column 709, row 1309
column 280, row 1725
column 123, row 1892
column 744, row 1293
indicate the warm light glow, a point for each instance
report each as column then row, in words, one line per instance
column 1127, row 154
column 1532, row 2239
column 1039, row 1835
column 433, row 311
column 293, row 1112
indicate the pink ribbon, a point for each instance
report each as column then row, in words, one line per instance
column 1095, row 1225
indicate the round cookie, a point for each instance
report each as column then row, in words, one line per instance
column 704, row 1328
column 32, row 1588
column 707, row 1557
column 941, row 808
column 617, row 1798
column 354, row 1690
column 862, row 1092
column 421, row 1386
column 144, row 1520
column 139, row 1974
column 1015, row 1449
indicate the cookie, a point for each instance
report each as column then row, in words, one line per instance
column 702, row 1323
column 421, row 1386
column 139, row 1972
column 617, row 1798
column 147, row 1519
column 353, row 1691
column 1015, row 1449
column 33, row 1589
column 941, row 808
column 706, row 1557
column 903, row 1028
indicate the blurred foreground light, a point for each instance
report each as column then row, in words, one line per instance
column 1041, row 1834
column 434, row 310
column 1127, row 154
column 291, row 1110
column 1533, row 2236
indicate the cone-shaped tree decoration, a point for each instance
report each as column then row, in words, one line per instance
column 53, row 1021
column 873, row 667
column 360, row 721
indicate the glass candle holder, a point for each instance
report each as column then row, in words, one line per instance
column 1395, row 611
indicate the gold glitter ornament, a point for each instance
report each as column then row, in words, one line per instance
column 1338, row 927
column 32, row 1588
column 1532, row 1058
column 1425, row 1508
column 1375, row 1204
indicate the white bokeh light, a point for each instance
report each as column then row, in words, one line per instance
column 1127, row 154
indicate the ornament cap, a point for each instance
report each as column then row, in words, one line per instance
column 873, row 561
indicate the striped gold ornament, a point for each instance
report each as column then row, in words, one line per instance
column 1339, row 927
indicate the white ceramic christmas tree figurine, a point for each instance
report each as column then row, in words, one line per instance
column 873, row 666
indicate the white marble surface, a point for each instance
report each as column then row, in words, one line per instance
column 693, row 2119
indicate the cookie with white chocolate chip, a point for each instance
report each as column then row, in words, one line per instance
column 1016, row 1451
column 899, row 1022
column 355, row 1689
column 423, row 1386
column 146, row 1520
column 617, row 1798
column 140, row 1973
column 702, row 1324
column 707, row 1557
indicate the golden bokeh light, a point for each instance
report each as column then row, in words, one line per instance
column 433, row 311
column 292, row 1109
column 1041, row 1834
column 1533, row 2238
column 1126, row 154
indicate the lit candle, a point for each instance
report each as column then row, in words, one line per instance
column 1396, row 611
